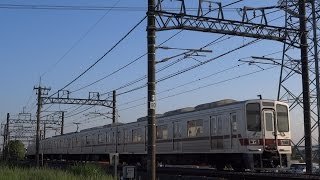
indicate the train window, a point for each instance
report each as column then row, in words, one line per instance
column 214, row 124
column 110, row 137
column 176, row 130
column 126, row 136
column 226, row 124
column 195, row 128
column 78, row 141
column 282, row 117
column 73, row 141
column 234, row 122
column 219, row 124
column 136, row 135
column 69, row 143
column 60, row 143
column 253, row 117
column 269, row 121
column 162, row 132
column 100, row 138
column 88, row 140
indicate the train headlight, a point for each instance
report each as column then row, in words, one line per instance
column 253, row 141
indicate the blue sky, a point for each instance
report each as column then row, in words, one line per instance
column 33, row 41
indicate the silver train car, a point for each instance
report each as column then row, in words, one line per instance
column 243, row 134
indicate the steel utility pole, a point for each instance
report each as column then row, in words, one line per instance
column 151, row 38
column 316, row 61
column 305, row 84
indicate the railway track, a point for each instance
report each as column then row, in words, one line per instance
column 210, row 173
column 191, row 173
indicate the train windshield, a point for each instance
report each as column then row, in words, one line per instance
column 282, row 117
column 253, row 117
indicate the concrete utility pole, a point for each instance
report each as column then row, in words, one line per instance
column 114, row 107
column 38, row 125
column 62, row 122
column 44, row 130
column 151, row 38
column 305, row 84
column 7, row 136
column 40, row 91
column 4, row 140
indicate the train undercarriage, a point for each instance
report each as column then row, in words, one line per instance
column 221, row 161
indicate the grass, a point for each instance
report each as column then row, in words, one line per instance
column 79, row 172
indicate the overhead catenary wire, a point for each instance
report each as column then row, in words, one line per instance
column 218, row 40
column 141, row 78
column 199, row 79
column 89, row 8
column 102, row 8
column 76, row 43
column 201, row 87
column 192, row 67
column 244, row 45
column 99, row 59
column 83, row 36
column 188, row 83
column 130, row 63
column 123, row 67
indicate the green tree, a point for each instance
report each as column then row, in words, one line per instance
column 16, row 150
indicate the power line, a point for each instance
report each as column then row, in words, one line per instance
column 190, row 82
column 185, row 70
column 199, row 79
column 207, row 61
column 113, row 47
column 216, row 41
column 201, row 87
column 89, row 8
column 80, row 39
column 123, row 67
column 194, row 66
column 140, row 58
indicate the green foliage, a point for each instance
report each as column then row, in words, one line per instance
column 87, row 170
column 14, row 173
column 16, row 150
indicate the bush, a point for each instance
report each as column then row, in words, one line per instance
column 15, row 173
column 16, row 150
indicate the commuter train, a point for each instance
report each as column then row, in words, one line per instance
column 247, row 134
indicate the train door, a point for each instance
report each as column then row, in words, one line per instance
column 213, row 132
column 226, row 132
column 125, row 140
column 146, row 138
column 177, row 144
column 233, row 129
column 269, row 130
column 119, row 142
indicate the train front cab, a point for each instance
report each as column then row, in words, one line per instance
column 268, row 134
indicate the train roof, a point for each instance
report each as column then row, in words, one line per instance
column 202, row 107
column 101, row 127
column 196, row 108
